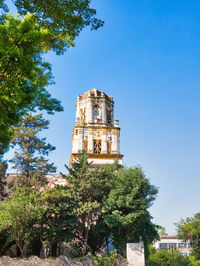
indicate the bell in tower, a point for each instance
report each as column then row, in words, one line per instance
column 96, row 132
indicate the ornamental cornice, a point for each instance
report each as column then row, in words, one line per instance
column 99, row 156
column 98, row 127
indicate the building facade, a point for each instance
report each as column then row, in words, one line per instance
column 172, row 242
column 96, row 132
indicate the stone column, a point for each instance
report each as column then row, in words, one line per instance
column 114, row 142
column 74, row 144
column 104, row 117
column 104, row 142
column 118, row 142
column 89, row 115
column 80, row 140
column 90, row 142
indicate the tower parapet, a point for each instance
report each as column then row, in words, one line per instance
column 96, row 132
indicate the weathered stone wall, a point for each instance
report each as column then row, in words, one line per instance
column 33, row 261
column 60, row 261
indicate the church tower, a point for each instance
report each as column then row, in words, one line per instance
column 96, row 132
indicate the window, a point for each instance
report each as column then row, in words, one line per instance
column 96, row 112
column 182, row 245
column 97, row 146
column 163, row 246
column 174, row 245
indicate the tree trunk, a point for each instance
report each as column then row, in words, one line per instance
column 45, row 250
column 107, row 247
column 54, row 249
column 23, row 249
column 85, row 242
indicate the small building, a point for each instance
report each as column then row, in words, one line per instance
column 172, row 242
column 52, row 179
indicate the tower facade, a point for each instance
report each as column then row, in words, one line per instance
column 96, row 132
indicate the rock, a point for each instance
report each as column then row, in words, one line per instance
column 35, row 261
column 87, row 262
column 34, row 258
column 5, row 260
column 123, row 262
column 32, row 261
column 65, row 261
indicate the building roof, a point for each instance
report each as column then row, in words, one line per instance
column 95, row 93
column 52, row 179
column 168, row 237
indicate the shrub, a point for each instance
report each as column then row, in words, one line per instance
column 110, row 259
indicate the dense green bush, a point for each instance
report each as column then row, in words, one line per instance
column 193, row 261
column 110, row 259
column 168, row 258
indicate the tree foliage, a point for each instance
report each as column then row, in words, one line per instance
column 64, row 19
column 18, row 216
column 57, row 223
column 24, row 74
column 193, row 261
column 30, row 156
column 110, row 259
column 168, row 258
column 30, row 215
column 162, row 231
column 94, row 207
column 112, row 203
column 126, row 208
column 88, row 190
column 189, row 229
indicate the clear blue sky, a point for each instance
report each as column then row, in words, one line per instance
column 147, row 56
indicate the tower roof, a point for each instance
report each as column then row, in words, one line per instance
column 95, row 93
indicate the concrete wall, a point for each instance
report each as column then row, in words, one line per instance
column 135, row 254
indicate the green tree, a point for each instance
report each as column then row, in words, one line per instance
column 189, row 229
column 126, row 209
column 57, row 223
column 88, row 190
column 37, row 219
column 24, row 74
column 30, row 157
column 18, row 216
column 111, row 203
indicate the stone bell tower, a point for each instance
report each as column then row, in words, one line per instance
column 96, row 132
